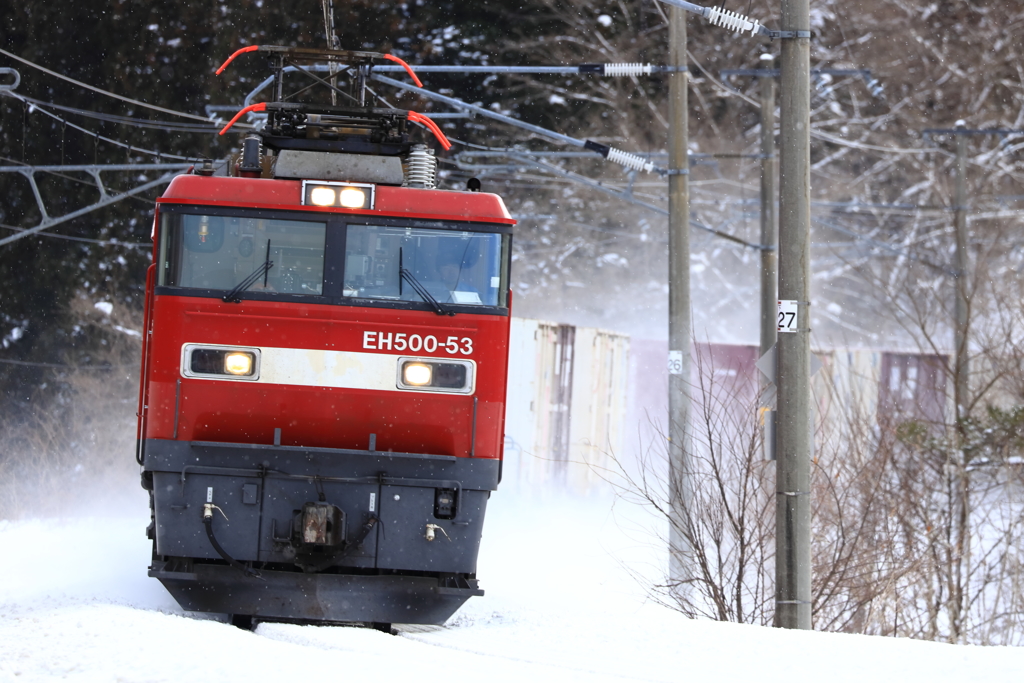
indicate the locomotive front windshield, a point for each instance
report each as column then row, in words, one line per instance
column 399, row 263
column 332, row 259
column 221, row 252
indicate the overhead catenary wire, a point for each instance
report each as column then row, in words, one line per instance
column 896, row 251
column 209, row 125
column 858, row 238
column 853, row 208
column 610, row 69
column 519, row 154
column 720, row 16
column 118, row 143
column 174, row 126
column 104, row 92
column 642, row 237
column 87, row 240
column 524, row 156
column 626, row 159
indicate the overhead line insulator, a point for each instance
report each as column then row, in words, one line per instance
column 618, row 69
column 619, row 157
column 732, row 21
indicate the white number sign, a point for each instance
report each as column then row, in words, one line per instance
column 675, row 362
column 787, row 315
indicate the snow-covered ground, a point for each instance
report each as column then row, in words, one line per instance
column 561, row 604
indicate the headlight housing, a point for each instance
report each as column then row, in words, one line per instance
column 343, row 195
column 209, row 361
column 437, row 375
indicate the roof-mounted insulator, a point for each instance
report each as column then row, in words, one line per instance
column 250, row 165
column 619, row 69
column 420, row 168
column 732, row 21
column 631, row 161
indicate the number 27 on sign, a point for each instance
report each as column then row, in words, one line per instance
column 787, row 315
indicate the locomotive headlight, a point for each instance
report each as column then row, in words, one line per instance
column 447, row 376
column 212, row 361
column 345, row 195
column 352, row 198
column 238, row 363
column 416, row 374
column 322, row 196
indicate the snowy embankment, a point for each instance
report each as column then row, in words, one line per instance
column 75, row 604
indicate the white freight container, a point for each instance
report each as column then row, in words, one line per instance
column 566, row 403
column 597, row 425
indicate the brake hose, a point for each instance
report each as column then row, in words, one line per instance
column 208, row 523
column 363, row 533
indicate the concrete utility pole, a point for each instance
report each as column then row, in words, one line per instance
column 769, row 238
column 680, row 570
column 961, row 368
column 793, row 438
column 961, row 260
column 769, row 225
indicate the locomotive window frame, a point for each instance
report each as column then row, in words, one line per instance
column 332, row 291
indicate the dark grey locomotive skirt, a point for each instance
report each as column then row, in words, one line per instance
column 334, row 535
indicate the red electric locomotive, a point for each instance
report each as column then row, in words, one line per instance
column 324, row 369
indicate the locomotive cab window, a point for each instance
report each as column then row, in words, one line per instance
column 226, row 252
column 418, row 264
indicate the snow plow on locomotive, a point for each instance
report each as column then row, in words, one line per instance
column 324, row 370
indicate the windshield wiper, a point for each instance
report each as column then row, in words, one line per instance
column 261, row 272
column 405, row 274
